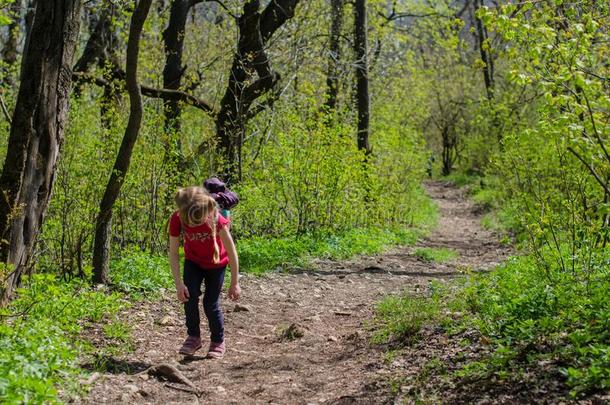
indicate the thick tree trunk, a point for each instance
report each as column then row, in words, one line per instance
column 334, row 57
column 101, row 247
column 486, row 57
column 37, row 132
column 255, row 29
column 362, row 74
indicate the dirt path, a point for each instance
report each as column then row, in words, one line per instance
column 333, row 361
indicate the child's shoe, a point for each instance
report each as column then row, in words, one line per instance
column 217, row 350
column 190, row 345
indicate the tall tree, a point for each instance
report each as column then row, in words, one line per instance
column 37, row 133
column 362, row 74
column 102, row 47
column 334, row 53
column 255, row 30
column 101, row 247
column 173, row 71
column 173, row 40
column 484, row 49
column 9, row 51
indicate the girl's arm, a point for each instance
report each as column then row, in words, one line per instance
column 174, row 264
column 227, row 241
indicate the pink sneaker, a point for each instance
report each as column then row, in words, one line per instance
column 190, row 346
column 217, row 350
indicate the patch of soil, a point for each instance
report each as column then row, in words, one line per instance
column 302, row 337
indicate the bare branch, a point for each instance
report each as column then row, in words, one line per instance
column 148, row 91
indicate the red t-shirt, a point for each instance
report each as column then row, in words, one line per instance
column 198, row 244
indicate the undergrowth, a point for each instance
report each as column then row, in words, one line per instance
column 41, row 331
column 535, row 315
column 526, row 317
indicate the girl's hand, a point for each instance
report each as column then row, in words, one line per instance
column 234, row 292
column 182, row 292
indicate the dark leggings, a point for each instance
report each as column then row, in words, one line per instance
column 213, row 279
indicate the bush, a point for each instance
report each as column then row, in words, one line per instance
column 530, row 316
column 41, row 337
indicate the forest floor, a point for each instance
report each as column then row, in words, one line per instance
column 331, row 305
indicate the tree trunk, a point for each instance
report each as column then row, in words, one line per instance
column 255, row 29
column 102, row 47
column 173, row 71
column 101, row 246
column 334, row 49
column 173, row 39
column 362, row 74
column 36, row 134
column 448, row 150
column 486, row 57
column 9, row 51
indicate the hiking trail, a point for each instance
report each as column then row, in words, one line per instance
column 331, row 306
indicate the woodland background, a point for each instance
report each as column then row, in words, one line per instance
column 325, row 116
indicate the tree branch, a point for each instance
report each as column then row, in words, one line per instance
column 591, row 169
column 274, row 15
column 165, row 94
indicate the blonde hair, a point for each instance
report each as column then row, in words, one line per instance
column 195, row 205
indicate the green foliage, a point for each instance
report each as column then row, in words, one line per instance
column 258, row 255
column 141, row 274
column 41, row 337
column 438, row 255
column 531, row 316
column 548, row 183
column 37, row 337
column 462, row 179
column 399, row 318
column 313, row 179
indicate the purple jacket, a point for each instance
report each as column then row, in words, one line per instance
column 225, row 198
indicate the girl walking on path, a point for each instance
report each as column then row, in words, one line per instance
column 208, row 249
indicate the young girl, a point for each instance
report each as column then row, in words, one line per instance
column 208, row 248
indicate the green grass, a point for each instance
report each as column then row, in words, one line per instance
column 399, row 318
column 39, row 337
column 140, row 274
column 527, row 316
column 461, row 179
column 531, row 316
column 259, row 255
column 40, row 331
column 120, row 335
column 437, row 255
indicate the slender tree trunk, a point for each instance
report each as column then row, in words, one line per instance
column 9, row 52
column 486, row 57
column 101, row 48
column 101, row 247
column 173, row 71
column 173, row 38
column 334, row 49
column 362, row 74
column 36, row 134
